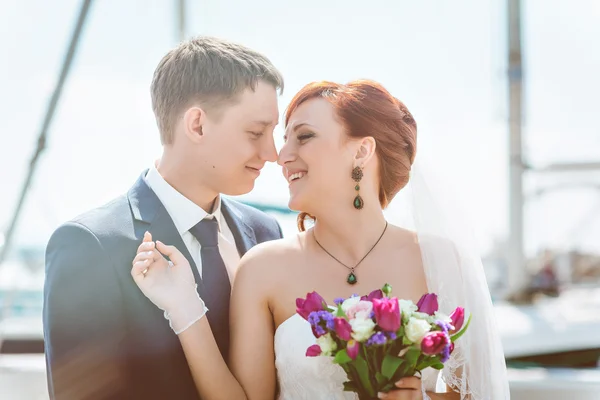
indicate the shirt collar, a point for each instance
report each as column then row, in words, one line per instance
column 184, row 212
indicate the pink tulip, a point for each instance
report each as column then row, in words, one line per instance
column 313, row 302
column 342, row 328
column 458, row 318
column 352, row 349
column 387, row 313
column 434, row 343
column 313, row 351
column 428, row 303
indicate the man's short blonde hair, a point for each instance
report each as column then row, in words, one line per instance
column 207, row 71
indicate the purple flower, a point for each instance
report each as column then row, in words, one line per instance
column 338, row 301
column 446, row 351
column 458, row 318
column 377, row 338
column 387, row 313
column 313, row 302
column 313, row 350
column 352, row 349
column 342, row 328
column 444, row 326
column 321, row 321
column 375, row 294
column 435, row 343
column 428, row 303
column 391, row 335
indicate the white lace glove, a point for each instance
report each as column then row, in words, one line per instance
column 170, row 285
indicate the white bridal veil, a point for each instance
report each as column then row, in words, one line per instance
column 455, row 273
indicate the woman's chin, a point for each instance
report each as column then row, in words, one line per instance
column 296, row 204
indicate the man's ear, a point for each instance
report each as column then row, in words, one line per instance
column 193, row 121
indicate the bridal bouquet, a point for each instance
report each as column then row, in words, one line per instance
column 378, row 339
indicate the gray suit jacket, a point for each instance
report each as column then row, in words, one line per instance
column 103, row 338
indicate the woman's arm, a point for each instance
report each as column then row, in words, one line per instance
column 173, row 290
column 252, row 358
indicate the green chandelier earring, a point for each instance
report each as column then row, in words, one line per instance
column 357, row 175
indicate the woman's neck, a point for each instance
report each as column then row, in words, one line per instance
column 349, row 234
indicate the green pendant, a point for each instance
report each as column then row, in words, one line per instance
column 351, row 278
column 358, row 202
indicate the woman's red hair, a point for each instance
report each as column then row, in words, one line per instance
column 366, row 108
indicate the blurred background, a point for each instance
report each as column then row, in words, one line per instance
column 504, row 93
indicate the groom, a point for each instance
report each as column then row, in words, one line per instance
column 215, row 104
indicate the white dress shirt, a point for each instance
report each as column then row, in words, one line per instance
column 186, row 214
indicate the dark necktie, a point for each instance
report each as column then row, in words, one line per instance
column 216, row 282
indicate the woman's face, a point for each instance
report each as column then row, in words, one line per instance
column 317, row 158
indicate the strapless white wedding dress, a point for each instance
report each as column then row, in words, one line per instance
column 314, row 378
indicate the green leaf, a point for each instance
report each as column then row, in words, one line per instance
column 342, row 357
column 363, row 374
column 388, row 387
column 406, row 341
column 438, row 365
column 381, row 379
column 457, row 335
column 428, row 362
column 412, row 356
column 340, row 313
column 390, row 364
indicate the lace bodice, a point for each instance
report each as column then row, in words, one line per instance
column 313, row 378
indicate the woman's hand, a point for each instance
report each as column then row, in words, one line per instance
column 170, row 285
column 408, row 389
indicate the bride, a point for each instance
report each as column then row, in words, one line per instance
column 349, row 150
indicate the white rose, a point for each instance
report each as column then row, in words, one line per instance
column 350, row 302
column 407, row 307
column 423, row 316
column 327, row 344
column 362, row 328
column 416, row 329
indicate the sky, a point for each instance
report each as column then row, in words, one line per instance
column 446, row 60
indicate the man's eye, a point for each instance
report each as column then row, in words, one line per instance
column 256, row 134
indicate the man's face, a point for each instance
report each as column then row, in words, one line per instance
column 237, row 144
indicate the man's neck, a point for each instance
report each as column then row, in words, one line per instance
column 188, row 186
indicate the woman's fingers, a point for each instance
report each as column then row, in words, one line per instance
column 171, row 251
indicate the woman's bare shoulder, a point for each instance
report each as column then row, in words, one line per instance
column 271, row 257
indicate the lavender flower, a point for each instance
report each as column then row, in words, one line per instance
column 319, row 320
column 376, row 339
column 444, row 326
column 338, row 300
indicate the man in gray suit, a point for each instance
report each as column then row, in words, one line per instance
column 215, row 104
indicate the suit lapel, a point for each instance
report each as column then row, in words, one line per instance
column 148, row 210
column 243, row 233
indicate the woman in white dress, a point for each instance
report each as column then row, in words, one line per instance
column 348, row 152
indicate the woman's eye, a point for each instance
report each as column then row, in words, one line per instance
column 305, row 136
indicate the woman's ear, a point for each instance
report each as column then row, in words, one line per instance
column 365, row 151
